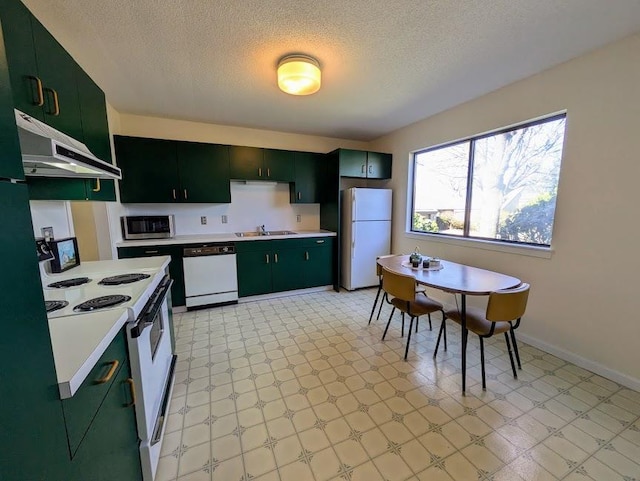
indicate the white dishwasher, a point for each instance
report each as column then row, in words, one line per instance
column 210, row 275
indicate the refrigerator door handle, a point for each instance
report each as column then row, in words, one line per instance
column 353, row 206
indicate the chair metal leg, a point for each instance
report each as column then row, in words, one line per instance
column 515, row 348
column 387, row 328
column 417, row 319
column 406, row 351
column 375, row 303
column 484, row 379
column 444, row 328
column 435, row 352
column 402, row 332
column 430, row 326
column 513, row 366
column 385, row 298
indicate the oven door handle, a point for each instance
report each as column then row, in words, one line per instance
column 162, row 415
column 152, row 307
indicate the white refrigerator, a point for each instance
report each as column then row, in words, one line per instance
column 366, row 234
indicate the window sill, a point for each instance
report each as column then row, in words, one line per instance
column 523, row 250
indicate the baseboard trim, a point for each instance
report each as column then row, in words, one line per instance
column 275, row 295
column 620, row 378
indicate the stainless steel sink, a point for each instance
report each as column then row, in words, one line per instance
column 266, row 233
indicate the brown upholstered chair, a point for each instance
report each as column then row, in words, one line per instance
column 402, row 288
column 502, row 315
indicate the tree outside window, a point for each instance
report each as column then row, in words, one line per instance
column 501, row 186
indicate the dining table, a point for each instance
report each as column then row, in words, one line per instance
column 457, row 279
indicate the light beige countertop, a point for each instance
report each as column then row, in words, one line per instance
column 226, row 237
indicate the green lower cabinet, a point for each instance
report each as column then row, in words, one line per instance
column 254, row 272
column 176, row 271
column 318, row 269
column 110, row 449
column 287, row 269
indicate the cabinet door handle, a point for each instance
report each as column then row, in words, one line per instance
column 275, row 258
column 132, row 389
column 185, row 194
column 259, row 171
column 267, row 257
column 363, row 170
column 56, row 103
column 97, row 187
column 268, row 172
column 306, row 256
column 319, row 242
column 110, row 373
column 150, row 252
column 371, row 169
column 39, row 102
column 299, row 195
column 174, row 193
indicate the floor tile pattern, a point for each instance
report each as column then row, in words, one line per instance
column 301, row 388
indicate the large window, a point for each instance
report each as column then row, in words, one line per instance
column 500, row 186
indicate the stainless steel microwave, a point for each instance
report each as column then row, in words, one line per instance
column 147, row 227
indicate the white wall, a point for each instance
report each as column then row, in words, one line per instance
column 582, row 299
column 52, row 213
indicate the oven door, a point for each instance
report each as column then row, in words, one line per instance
column 152, row 366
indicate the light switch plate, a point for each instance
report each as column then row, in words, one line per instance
column 224, row 219
column 298, row 218
column 203, row 219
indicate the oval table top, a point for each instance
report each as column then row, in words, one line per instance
column 453, row 277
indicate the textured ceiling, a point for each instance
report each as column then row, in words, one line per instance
column 385, row 64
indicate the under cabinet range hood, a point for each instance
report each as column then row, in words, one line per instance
column 47, row 152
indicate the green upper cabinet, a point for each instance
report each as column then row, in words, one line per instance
column 363, row 164
column 253, row 163
column 57, row 70
column 149, row 170
column 27, row 88
column 93, row 114
column 246, row 162
column 11, row 161
column 278, row 165
column 305, row 188
column 204, row 172
column 166, row 171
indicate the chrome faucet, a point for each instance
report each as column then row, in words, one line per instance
column 262, row 230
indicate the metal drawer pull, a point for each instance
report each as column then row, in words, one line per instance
column 267, row 257
column 112, row 370
column 185, row 194
column 97, row 189
column 56, row 104
column 306, row 256
column 40, row 100
column 363, row 169
column 150, row 252
column 132, row 388
column 299, row 195
column 275, row 258
column 319, row 242
column 268, row 172
column 174, row 193
column 371, row 169
column 259, row 171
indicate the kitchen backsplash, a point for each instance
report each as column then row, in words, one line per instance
column 252, row 204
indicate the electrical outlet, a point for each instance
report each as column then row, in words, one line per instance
column 298, row 218
column 224, row 219
column 203, row 219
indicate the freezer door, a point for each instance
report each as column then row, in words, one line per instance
column 371, row 204
column 370, row 240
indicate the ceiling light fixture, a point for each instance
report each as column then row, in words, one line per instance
column 299, row 74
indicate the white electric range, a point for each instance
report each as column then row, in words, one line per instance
column 107, row 295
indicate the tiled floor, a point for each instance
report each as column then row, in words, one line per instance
column 300, row 388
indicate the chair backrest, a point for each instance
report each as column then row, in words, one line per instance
column 508, row 304
column 378, row 266
column 398, row 285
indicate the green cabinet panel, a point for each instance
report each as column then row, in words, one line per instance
column 21, row 56
column 305, row 188
column 278, row 165
column 81, row 408
column 110, row 450
column 11, row 163
column 33, row 441
column 150, row 171
column 93, row 114
column 363, row 164
column 100, row 190
column 287, row 269
column 254, row 271
column 176, row 271
column 204, row 172
column 59, row 188
column 246, row 162
column 167, row 171
column 57, row 70
column 319, row 265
